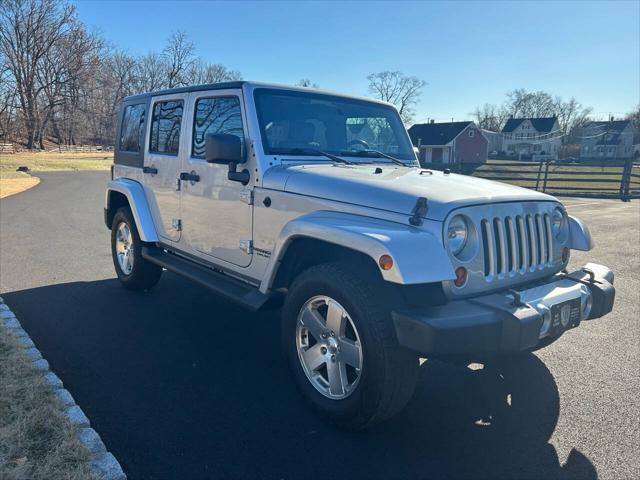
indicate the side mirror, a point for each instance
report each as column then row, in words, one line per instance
column 222, row 148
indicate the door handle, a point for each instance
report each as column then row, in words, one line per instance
column 192, row 177
column 151, row 170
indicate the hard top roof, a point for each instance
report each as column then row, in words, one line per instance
column 240, row 84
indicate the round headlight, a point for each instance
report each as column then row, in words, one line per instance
column 457, row 232
column 559, row 224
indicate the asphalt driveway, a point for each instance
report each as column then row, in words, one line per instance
column 183, row 385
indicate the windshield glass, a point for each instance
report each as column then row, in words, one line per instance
column 293, row 122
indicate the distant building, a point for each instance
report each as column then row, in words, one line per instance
column 612, row 139
column 450, row 142
column 532, row 137
column 495, row 140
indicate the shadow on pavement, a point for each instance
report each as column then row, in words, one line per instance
column 181, row 384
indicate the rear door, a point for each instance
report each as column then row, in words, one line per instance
column 162, row 163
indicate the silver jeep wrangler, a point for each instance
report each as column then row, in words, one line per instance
column 267, row 194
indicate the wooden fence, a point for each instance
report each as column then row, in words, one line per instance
column 7, row 148
column 81, row 148
column 613, row 179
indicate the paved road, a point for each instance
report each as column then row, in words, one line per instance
column 182, row 385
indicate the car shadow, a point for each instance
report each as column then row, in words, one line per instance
column 181, row 384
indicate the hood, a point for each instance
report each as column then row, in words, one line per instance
column 394, row 188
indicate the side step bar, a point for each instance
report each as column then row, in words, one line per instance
column 219, row 283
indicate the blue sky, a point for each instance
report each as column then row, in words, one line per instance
column 470, row 53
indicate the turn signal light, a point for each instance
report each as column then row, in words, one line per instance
column 461, row 277
column 386, row 262
column 566, row 253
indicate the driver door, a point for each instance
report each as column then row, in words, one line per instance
column 216, row 212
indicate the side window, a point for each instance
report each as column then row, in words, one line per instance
column 132, row 129
column 215, row 115
column 165, row 127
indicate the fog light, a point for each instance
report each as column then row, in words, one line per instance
column 461, row 277
column 544, row 311
column 386, row 262
column 566, row 253
column 586, row 302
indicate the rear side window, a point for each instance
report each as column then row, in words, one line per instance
column 132, row 130
column 165, row 127
column 215, row 115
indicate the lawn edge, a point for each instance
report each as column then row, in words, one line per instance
column 36, row 182
column 103, row 463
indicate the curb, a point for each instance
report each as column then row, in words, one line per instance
column 103, row 463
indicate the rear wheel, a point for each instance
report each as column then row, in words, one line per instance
column 134, row 271
column 340, row 343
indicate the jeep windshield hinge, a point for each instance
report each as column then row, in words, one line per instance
column 246, row 196
column 246, row 246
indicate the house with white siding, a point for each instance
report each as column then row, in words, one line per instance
column 612, row 139
column 532, row 137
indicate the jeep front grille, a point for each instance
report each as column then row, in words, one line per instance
column 516, row 244
column 512, row 244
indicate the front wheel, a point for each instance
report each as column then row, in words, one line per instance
column 133, row 270
column 341, row 346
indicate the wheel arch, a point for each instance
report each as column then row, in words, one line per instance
column 129, row 193
column 295, row 261
column 417, row 255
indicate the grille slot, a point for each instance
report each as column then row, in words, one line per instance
column 516, row 245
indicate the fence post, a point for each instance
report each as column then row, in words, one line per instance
column 539, row 173
column 546, row 175
column 625, row 180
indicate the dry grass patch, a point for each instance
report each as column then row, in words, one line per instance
column 37, row 441
column 54, row 161
column 16, row 182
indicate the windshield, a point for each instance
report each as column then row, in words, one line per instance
column 297, row 123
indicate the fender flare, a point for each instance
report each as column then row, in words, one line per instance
column 138, row 204
column 579, row 235
column 418, row 256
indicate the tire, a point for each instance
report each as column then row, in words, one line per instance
column 142, row 274
column 388, row 372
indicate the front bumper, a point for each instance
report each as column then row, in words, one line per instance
column 508, row 322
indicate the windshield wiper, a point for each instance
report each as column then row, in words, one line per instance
column 368, row 153
column 314, row 151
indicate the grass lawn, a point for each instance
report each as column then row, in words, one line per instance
column 16, row 182
column 12, row 182
column 37, row 441
column 54, row 161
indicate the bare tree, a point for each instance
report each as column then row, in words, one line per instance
column 150, row 73
column 201, row 72
column 8, row 101
column 29, row 31
column 572, row 116
column 521, row 103
column 179, row 55
column 305, row 82
column 401, row 90
column 635, row 121
column 489, row 117
column 58, row 81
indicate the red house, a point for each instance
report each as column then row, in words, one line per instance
column 450, row 142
